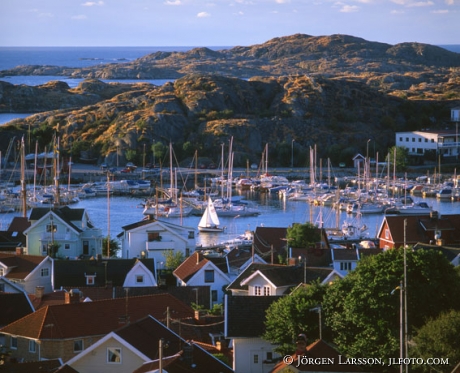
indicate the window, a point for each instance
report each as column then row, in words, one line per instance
column 419, row 140
column 256, row 359
column 2, row 272
column 191, row 234
column 209, row 275
column 139, row 279
column 345, row 266
column 113, row 355
column 401, row 139
column 426, row 140
column 407, row 139
column 257, row 290
column 387, row 233
column 90, row 279
column 432, row 140
column 67, row 246
column 269, row 356
column 14, row 343
column 153, row 236
column 266, row 290
column 214, row 295
column 78, row 345
column 32, row 347
column 45, row 272
column 2, row 287
column 51, row 228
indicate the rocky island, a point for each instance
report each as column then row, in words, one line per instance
column 332, row 92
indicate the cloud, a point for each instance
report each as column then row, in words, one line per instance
column 79, row 17
column 420, row 3
column 203, row 15
column 349, row 9
column 282, row 1
column 440, row 11
column 449, row 2
column 397, row 12
column 240, row 13
column 173, row 2
column 93, row 3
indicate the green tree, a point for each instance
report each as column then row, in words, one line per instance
column 173, row 259
column 159, row 151
column 402, row 157
column 114, row 247
column 291, row 315
column 303, row 235
column 439, row 337
column 364, row 314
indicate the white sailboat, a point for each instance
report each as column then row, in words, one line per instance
column 210, row 221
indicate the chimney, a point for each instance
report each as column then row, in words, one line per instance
column 19, row 250
column 73, row 296
column 219, row 345
column 39, row 291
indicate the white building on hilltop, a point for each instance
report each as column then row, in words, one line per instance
column 441, row 142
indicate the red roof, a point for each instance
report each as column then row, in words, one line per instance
column 22, row 264
column 95, row 318
column 190, row 266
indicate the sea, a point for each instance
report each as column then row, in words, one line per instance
column 112, row 214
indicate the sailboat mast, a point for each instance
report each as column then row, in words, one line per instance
column 23, row 180
column 56, row 172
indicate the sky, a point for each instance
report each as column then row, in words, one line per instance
column 223, row 22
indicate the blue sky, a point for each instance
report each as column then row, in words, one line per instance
column 222, row 22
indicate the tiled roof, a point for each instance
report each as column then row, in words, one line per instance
column 245, row 315
column 14, row 306
column 265, row 237
column 23, row 264
column 281, row 275
column 19, row 224
column 65, row 213
column 71, row 273
column 237, row 257
column 142, row 333
column 345, row 254
column 190, row 266
column 48, row 299
column 422, row 228
column 94, row 318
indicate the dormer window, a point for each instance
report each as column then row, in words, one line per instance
column 90, row 279
column 139, row 279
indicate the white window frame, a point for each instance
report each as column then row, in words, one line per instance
column 257, row 290
column 81, row 345
column 114, row 352
column 44, row 272
column 32, row 346
column 267, row 290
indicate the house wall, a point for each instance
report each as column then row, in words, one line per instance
column 46, row 349
column 249, row 355
column 41, row 276
column 220, row 280
column 71, row 244
column 135, row 242
column 96, row 360
column 139, row 270
column 418, row 142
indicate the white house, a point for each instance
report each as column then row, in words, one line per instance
column 455, row 114
column 27, row 271
column 151, row 238
column 70, row 228
column 346, row 260
column 442, row 142
column 139, row 275
column 196, row 270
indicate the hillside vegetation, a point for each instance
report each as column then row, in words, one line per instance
column 332, row 92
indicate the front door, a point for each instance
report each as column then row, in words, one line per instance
column 85, row 247
column 256, row 361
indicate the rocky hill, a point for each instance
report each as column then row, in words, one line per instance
column 332, row 92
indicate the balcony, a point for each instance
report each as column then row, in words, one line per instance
column 160, row 245
column 448, row 145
